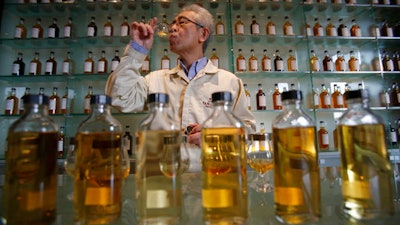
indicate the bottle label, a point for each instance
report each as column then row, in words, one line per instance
column 49, row 67
column 107, row 31
column 354, row 64
column 315, row 65
column 124, row 31
column 279, row 65
column 90, row 32
column 289, row 30
column 308, row 31
column 88, row 67
column 342, row 66
column 65, row 69
column 255, row 28
column 101, row 67
column 18, row 32
column 389, row 65
column 220, row 29
column 67, row 31
column 293, row 65
column 253, row 65
column 267, row 65
column 389, row 32
column 10, row 104
column 358, row 32
column 329, row 66
column 345, row 32
column 35, row 33
column 165, row 64
column 340, row 100
column 239, row 29
column 64, row 103
column 325, row 139
column 271, row 30
column 51, row 33
column 327, row 100
column 87, row 104
column 332, row 32
column 60, row 146
column 262, row 101
column 241, row 65
column 114, row 65
column 145, row 66
column 15, row 69
column 320, row 31
column 393, row 136
column 278, row 100
column 32, row 68
column 219, row 198
column 398, row 97
column 52, row 105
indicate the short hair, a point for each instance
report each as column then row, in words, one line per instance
column 203, row 17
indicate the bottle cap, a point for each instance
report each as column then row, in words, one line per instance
column 360, row 93
column 36, row 99
column 221, row 96
column 100, row 99
column 158, row 97
column 292, row 94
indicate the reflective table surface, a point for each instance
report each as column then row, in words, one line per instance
column 261, row 205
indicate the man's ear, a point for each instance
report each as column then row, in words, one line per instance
column 205, row 33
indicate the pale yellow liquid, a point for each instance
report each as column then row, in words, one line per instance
column 30, row 187
column 296, row 175
column 366, row 171
column 224, row 188
column 98, row 177
column 259, row 162
column 158, row 180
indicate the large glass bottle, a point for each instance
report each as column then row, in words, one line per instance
column 296, row 170
column 158, row 175
column 366, row 170
column 223, row 147
column 30, row 186
column 101, row 164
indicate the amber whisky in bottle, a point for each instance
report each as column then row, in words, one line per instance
column 248, row 96
column 53, row 30
column 355, row 30
column 68, row 28
column 67, row 67
column 324, row 97
column 214, row 58
column 239, row 26
column 108, row 29
column 165, row 61
column 270, row 27
column 37, row 29
column 54, row 102
column 253, row 62
column 12, row 103
column 278, row 61
column 219, row 26
column 288, row 27
column 124, row 28
column 323, row 137
column 340, row 63
column 51, row 65
column 354, row 63
column 261, row 99
column 318, row 30
column 331, row 29
column 240, row 62
column 292, row 62
column 254, row 27
column 276, row 98
column 266, row 62
column 102, row 64
column 314, row 61
column 328, row 62
column 92, row 28
column 115, row 61
column 35, row 66
column 337, row 97
column 387, row 62
column 89, row 64
column 20, row 29
column 86, row 103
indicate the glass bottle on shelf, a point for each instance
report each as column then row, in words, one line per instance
column 366, row 184
column 115, row 61
column 328, row 62
column 354, row 63
column 278, row 61
column 31, row 166
column 51, row 65
column 68, row 28
column 292, row 62
column 386, row 30
column 346, row 89
column 340, row 63
column 41, row 91
column 158, row 147
column 331, row 29
column 323, row 137
column 239, row 26
column 355, row 29
column 293, row 133
column 219, row 26
column 35, row 66
column 54, row 102
column 18, row 67
column 21, row 100
column 101, row 165
column 266, row 62
column 314, row 61
column 270, row 27
column 60, row 143
column 86, row 102
column 342, row 29
column 108, row 28
column 145, row 69
column 92, row 27
column 337, row 97
column 124, row 28
column 318, row 30
column 102, row 63
column 12, row 103
column 67, row 67
column 253, row 62
column 262, row 128
column 261, row 100
column 165, row 61
column 288, row 27
column 223, row 158
column 248, row 96
column 324, row 97
column 240, row 62
column 214, row 58
column 276, row 98
column 387, row 62
column 20, row 29
column 316, row 99
column 308, row 31
column 395, row 95
column 396, row 61
column 53, row 30
column 254, row 27
column 127, row 140
column 37, row 29
column 392, row 135
column 65, row 102
column 88, row 67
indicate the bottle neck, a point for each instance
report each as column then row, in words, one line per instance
column 221, row 106
column 291, row 104
column 98, row 109
column 36, row 110
column 357, row 103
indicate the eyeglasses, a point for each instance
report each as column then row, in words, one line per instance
column 182, row 20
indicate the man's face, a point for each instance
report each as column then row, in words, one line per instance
column 185, row 33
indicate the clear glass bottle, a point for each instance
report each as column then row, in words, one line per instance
column 253, row 62
column 20, row 29
column 31, row 166
column 108, row 28
column 219, row 26
column 240, row 62
column 35, row 66
column 92, row 28
column 323, row 137
column 18, row 68
column 261, row 100
column 159, row 173
column 266, row 62
column 101, row 165
column 223, row 144
column 366, row 171
column 88, row 66
column 37, row 29
column 51, row 65
column 297, row 192
column 102, row 63
column 68, row 28
column 53, row 30
column 124, row 28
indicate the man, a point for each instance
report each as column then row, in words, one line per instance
column 189, row 85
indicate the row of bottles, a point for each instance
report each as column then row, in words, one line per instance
column 243, row 65
column 57, row 104
column 68, row 67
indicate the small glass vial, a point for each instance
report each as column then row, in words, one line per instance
column 223, row 145
column 160, row 170
column 366, row 170
column 68, row 28
column 86, row 101
column 37, row 29
column 314, row 62
column 35, row 66
column 115, row 61
column 296, row 169
column 20, row 29
column 270, row 27
column 53, row 30
column 54, row 102
column 101, row 165
column 327, row 63
column 88, row 66
column 287, row 27
column 239, row 26
column 68, row 65
column 92, row 28
column 292, row 62
column 325, row 98
column 354, row 63
column 12, row 103
column 248, row 96
column 31, row 166
column 340, row 62
column 278, row 62
column 254, row 27
column 108, row 29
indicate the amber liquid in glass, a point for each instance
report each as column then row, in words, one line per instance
column 98, row 177
column 30, row 188
column 296, row 175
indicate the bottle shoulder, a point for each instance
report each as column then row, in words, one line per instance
column 33, row 123
column 359, row 116
column 292, row 118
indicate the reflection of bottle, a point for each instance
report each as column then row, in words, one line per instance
column 20, row 29
column 240, row 62
column 223, row 158
column 366, row 170
column 261, row 98
column 31, row 178
column 253, row 63
column 35, row 66
column 158, row 148
column 51, row 65
column 101, row 164
column 18, row 67
column 276, row 98
column 12, row 103
column 323, row 137
column 297, row 180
